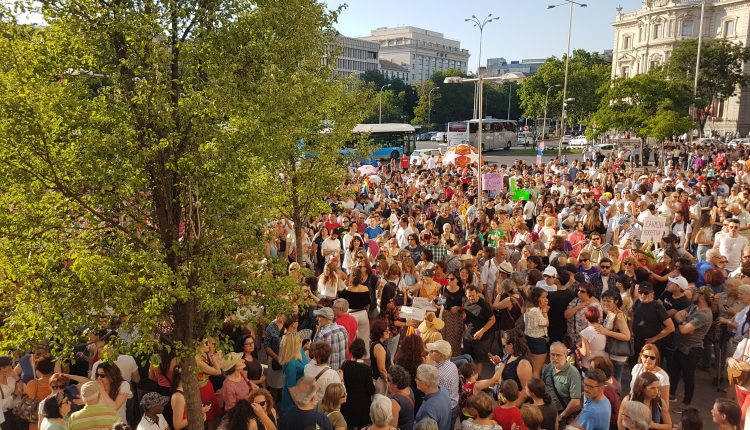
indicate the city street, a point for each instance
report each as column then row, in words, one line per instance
column 508, row 157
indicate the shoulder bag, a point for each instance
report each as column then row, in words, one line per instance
column 738, row 377
column 622, row 348
column 27, row 408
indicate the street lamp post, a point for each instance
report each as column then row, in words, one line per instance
column 510, row 96
column 380, row 103
column 429, row 105
column 567, row 63
column 479, row 24
column 544, row 123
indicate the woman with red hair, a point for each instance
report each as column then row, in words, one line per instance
column 592, row 342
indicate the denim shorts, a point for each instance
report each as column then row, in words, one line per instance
column 537, row 345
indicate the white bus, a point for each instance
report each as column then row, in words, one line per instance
column 496, row 133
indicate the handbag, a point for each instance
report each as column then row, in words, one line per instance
column 623, row 348
column 739, row 377
column 27, row 408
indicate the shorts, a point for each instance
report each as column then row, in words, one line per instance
column 537, row 345
column 478, row 349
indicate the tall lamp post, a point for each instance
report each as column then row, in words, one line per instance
column 510, row 97
column 567, row 63
column 544, row 122
column 429, row 105
column 480, row 24
column 380, row 103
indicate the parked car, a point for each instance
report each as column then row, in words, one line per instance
column 566, row 139
column 738, row 142
column 440, row 136
column 577, row 142
column 604, row 148
column 420, row 156
column 427, row 136
column 707, row 141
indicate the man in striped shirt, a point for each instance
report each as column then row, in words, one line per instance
column 93, row 416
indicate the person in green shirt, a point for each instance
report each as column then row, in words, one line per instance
column 495, row 236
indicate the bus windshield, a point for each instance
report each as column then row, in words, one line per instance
column 389, row 140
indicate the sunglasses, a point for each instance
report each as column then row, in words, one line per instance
column 648, row 357
column 262, row 403
column 452, row 278
column 627, row 264
column 583, row 259
column 644, row 292
column 100, row 375
column 57, row 387
column 606, row 267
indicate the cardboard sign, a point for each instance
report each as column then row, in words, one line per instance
column 653, row 229
column 492, row 182
column 412, row 313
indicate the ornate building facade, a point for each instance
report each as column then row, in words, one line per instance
column 645, row 38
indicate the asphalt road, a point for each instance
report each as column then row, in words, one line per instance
column 507, row 157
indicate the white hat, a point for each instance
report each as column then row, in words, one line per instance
column 505, row 267
column 680, row 282
column 440, row 346
column 550, row 271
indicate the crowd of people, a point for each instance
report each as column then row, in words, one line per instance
column 584, row 294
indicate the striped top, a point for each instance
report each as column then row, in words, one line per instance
column 93, row 417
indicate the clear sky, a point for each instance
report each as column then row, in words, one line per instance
column 526, row 28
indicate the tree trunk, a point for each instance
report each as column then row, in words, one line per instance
column 184, row 333
column 298, row 237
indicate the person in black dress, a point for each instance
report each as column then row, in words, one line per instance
column 359, row 387
column 253, row 368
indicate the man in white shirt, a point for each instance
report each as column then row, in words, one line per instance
column 731, row 245
column 403, row 231
column 681, row 229
column 331, row 247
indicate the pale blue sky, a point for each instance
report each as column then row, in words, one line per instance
column 526, row 28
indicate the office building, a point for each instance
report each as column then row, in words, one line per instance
column 356, row 56
column 499, row 66
column 391, row 70
column 422, row 52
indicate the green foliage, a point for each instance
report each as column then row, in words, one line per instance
column 721, row 69
column 643, row 104
column 587, row 73
column 667, row 122
column 398, row 100
column 143, row 190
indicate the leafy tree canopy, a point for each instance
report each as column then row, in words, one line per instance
column 587, row 72
column 141, row 145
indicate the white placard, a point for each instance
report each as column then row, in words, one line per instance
column 653, row 229
column 412, row 313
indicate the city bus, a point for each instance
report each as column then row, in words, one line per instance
column 496, row 133
column 390, row 140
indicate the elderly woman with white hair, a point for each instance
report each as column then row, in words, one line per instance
column 634, row 416
column 381, row 413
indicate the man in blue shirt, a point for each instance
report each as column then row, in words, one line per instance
column 596, row 407
column 437, row 402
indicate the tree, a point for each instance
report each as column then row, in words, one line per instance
column 587, row 72
column 634, row 105
column 721, row 70
column 135, row 146
column 398, row 100
column 667, row 122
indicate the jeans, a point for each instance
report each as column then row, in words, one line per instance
column 683, row 365
column 460, row 360
column 617, row 373
column 391, row 344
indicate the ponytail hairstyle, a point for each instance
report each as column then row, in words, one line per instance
column 539, row 389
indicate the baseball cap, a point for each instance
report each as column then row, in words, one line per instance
column 90, row 392
column 680, row 281
column 149, row 400
column 326, row 313
column 550, row 271
column 440, row 346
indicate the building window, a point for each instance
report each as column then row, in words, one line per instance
column 657, row 31
column 625, row 72
column 729, row 28
column 687, row 28
column 627, row 42
column 653, row 65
